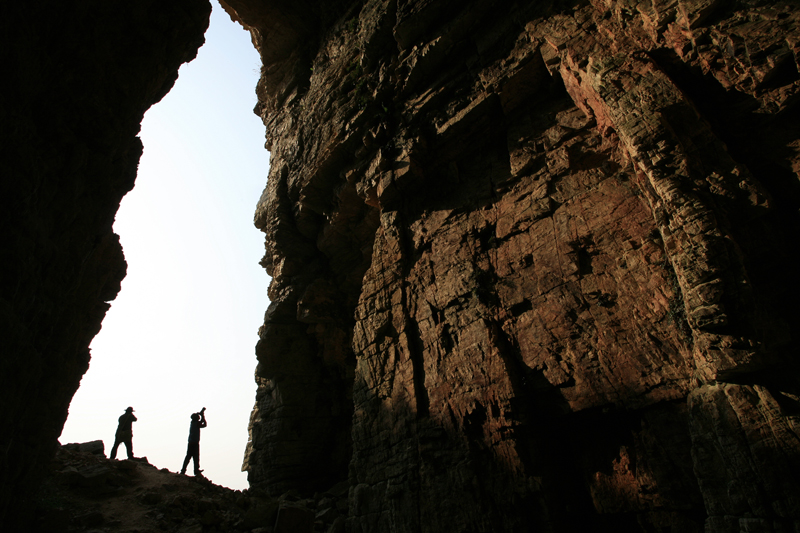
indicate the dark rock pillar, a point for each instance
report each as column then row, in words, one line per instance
column 78, row 77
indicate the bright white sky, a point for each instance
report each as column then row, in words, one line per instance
column 181, row 335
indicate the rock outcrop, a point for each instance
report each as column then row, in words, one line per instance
column 78, row 78
column 85, row 492
column 540, row 253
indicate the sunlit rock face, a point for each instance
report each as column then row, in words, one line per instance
column 534, row 265
column 78, row 77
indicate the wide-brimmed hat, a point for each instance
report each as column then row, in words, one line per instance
column 129, row 409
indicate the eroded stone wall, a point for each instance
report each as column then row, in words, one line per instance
column 78, row 77
column 541, row 254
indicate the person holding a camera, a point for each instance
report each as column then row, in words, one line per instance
column 193, row 450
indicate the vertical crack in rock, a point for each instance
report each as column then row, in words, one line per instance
column 417, row 361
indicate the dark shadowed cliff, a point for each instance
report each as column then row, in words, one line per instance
column 534, row 263
column 78, row 78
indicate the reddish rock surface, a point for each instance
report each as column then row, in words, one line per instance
column 543, row 256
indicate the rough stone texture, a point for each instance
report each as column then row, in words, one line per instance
column 78, row 77
column 542, row 255
column 84, row 492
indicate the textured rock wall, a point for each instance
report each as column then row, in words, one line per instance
column 78, row 78
column 541, row 254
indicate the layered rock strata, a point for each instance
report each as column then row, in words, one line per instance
column 78, row 78
column 541, row 254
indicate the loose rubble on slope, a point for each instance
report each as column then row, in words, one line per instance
column 86, row 492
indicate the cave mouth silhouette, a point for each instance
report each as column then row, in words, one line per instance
column 182, row 331
column 68, row 262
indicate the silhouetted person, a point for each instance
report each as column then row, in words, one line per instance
column 124, row 433
column 193, row 450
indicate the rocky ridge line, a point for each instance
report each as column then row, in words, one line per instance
column 86, row 492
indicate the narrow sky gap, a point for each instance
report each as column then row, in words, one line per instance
column 181, row 335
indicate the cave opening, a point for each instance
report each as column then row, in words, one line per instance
column 560, row 386
column 181, row 333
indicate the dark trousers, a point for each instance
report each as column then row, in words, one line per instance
column 192, row 452
column 127, row 441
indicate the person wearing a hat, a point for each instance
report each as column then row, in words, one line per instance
column 124, row 433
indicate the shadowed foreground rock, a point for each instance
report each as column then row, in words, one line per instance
column 85, row 492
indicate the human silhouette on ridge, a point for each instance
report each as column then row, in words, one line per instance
column 193, row 450
column 124, row 433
